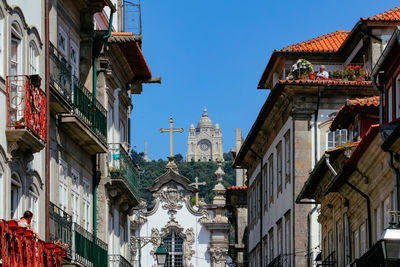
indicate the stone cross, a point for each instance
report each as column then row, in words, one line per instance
column 196, row 184
column 171, row 131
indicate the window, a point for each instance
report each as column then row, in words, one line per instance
column 265, row 171
column 363, row 243
column 16, row 194
column 287, row 157
column 339, row 242
column 386, row 209
column 62, row 41
column 356, row 244
column 265, row 241
column 86, row 204
column 122, row 133
column 74, row 58
column 257, row 197
column 336, row 138
column 63, row 186
column 122, row 239
column 271, row 178
column 279, row 168
column 33, row 199
column 271, row 244
column 110, row 122
column 287, row 236
column 174, row 244
column 75, row 196
column 33, row 58
column 16, row 53
column 279, row 237
column 397, row 84
column 390, row 104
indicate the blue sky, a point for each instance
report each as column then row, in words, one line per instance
column 212, row 53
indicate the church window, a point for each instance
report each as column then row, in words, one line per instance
column 174, row 244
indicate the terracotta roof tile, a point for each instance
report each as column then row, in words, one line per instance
column 390, row 15
column 237, row 188
column 326, row 43
column 366, row 101
column 326, row 82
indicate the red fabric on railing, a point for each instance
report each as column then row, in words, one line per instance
column 20, row 248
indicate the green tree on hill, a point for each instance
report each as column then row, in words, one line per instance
column 149, row 171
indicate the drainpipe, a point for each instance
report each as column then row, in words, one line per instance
column 359, row 192
column 309, row 235
column 261, row 202
column 47, row 157
column 96, row 176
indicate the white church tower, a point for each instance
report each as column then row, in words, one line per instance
column 204, row 141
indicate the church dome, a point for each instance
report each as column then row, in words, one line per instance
column 205, row 121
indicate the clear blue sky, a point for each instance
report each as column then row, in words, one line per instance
column 212, row 53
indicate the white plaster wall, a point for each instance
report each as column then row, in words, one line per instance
column 186, row 220
column 33, row 11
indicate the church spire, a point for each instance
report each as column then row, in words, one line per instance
column 172, row 165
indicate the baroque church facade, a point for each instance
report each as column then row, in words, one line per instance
column 194, row 236
column 204, row 141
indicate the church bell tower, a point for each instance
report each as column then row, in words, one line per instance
column 204, row 141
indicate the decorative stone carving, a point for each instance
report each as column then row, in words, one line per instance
column 219, row 254
column 171, row 198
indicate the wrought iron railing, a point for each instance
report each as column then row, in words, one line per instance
column 84, row 247
column 60, row 74
column 121, row 166
column 329, row 261
column 279, row 261
column 26, row 105
column 60, row 226
column 118, row 261
column 85, row 106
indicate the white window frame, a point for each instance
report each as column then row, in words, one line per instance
column 86, row 203
column 63, row 186
column 287, row 156
column 16, row 36
column 74, row 50
column 390, row 103
column 75, row 196
column 33, row 58
column 63, row 49
column 16, row 199
column 335, row 141
column 33, row 204
column 279, row 167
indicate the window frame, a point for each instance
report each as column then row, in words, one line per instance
column 33, row 58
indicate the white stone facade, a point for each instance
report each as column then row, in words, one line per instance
column 204, row 141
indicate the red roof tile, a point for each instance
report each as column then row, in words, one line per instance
column 390, row 15
column 326, row 82
column 326, row 43
column 366, row 101
column 237, row 188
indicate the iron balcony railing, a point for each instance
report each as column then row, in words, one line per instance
column 84, row 105
column 281, row 260
column 84, row 248
column 26, row 104
column 121, row 166
column 118, row 261
column 329, row 261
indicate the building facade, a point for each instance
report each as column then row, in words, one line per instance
column 205, row 141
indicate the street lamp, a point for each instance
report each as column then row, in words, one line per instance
column 161, row 254
column 390, row 241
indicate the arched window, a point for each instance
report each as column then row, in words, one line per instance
column 16, row 50
column 33, row 205
column 16, row 193
column 174, row 244
column 33, row 58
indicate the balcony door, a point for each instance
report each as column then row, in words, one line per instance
column 16, row 195
column 75, row 196
column 63, row 187
column 33, row 199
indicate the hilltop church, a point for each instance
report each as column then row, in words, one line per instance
column 204, row 141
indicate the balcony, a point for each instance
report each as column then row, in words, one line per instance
column 26, row 113
column 20, row 247
column 85, row 249
column 82, row 117
column 124, row 175
column 329, row 261
column 118, row 261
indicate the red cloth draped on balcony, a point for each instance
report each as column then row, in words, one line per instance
column 26, row 105
column 20, row 248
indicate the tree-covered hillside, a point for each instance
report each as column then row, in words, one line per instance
column 204, row 170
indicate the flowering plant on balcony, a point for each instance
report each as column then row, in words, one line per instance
column 337, row 74
column 301, row 69
column 114, row 172
column 353, row 72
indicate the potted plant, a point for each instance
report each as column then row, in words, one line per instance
column 337, row 74
column 353, row 73
column 301, row 69
column 114, row 172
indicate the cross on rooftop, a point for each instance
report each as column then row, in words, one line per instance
column 196, row 184
column 171, row 131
